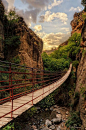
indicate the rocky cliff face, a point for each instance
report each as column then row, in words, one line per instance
column 28, row 52
column 77, row 24
column 78, row 21
column 30, row 49
column 81, row 88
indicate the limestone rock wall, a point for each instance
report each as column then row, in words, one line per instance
column 77, row 25
column 81, row 88
column 77, row 22
column 30, row 49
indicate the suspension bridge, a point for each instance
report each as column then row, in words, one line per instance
column 22, row 87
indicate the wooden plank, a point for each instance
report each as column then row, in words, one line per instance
column 42, row 93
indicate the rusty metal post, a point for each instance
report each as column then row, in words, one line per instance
column 49, row 81
column 43, row 84
column 32, row 86
column 11, row 89
column 25, row 81
column 10, row 79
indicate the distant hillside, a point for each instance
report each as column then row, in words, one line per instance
column 50, row 51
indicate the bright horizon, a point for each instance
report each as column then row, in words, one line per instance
column 49, row 19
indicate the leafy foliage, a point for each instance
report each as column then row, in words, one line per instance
column 75, row 63
column 32, row 111
column 74, row 121
column 53, row 64
column 70, row 50
column 11, row 39
column 47, row 102
column 61, row 58
column 9, row 127
column 16, row 60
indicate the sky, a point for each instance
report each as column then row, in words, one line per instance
column 49, row 19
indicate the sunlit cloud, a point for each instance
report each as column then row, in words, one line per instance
column 37, row 28
column 49, row 17
column 54, row 40
column 65, row 29
column 56, row 3
column 75, row 9
column 9, row 4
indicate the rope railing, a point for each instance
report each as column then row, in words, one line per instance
column 18, row 80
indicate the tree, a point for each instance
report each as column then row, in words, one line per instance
column 1, row 11
column 83, row 2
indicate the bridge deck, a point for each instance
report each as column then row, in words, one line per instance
column 23, row 103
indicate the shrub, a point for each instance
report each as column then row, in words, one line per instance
column 32, row 111
column 16, row 59
column 74, row 121
column 12, row 41
column 75, row 63
column 47, row 102
column 9, row 127
column 54, row 64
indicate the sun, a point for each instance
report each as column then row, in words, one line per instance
column 30, row 17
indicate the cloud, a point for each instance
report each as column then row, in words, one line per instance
column 40, row 34
column 75, row 9
column 34, row 8
column 38, row 28
column 54, row 40
column 65, row 29
column 56, row 3
column 38, row 4
column 9, row 4
column 5, row 4
column 29, row 16
column 48, row 17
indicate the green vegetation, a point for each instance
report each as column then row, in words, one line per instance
column 84, row 16
column 16, row 60
column 75, row 63
column 31, row 111
column 74, row 121
column 47, row 102
column 12, row 41
column 9, row 127
column 82, row 90
column 54, row 64
column 61, row 58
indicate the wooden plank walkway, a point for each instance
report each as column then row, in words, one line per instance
column 27, row 100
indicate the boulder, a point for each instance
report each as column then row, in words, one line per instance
column 45, row 128
column 56, row 120
column 67, row 112
column 51, row 108
column 55, row 106
column 58, row 128
column 48, row 123
column 52, row 127
column 34, row 127
column 59, row 116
